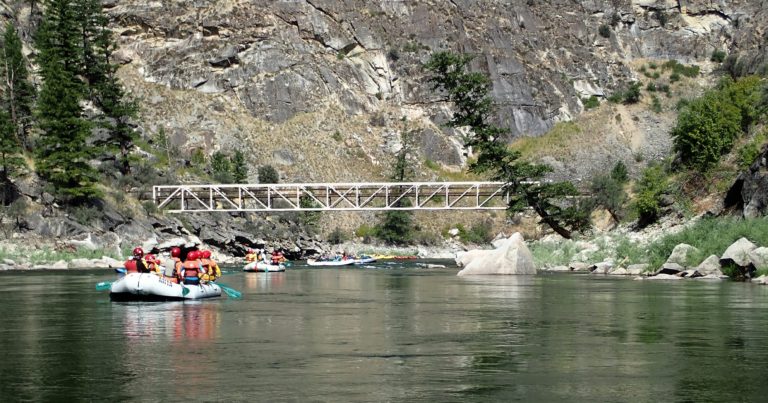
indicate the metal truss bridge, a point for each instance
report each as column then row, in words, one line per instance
column 379, row 196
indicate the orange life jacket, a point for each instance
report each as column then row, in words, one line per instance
column 191, row 268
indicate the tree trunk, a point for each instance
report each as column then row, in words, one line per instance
column 547, row 219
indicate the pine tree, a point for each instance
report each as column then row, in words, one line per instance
column 468, row 91
column 17, row 89
column 104, row 89
column 239, row 167
column 396, row 226
column 10, row 156
column 62, row 152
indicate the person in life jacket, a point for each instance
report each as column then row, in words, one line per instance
column 136, row 264
column 251, row 256
column 173, row 266
column 277, row 257
column 190, row 269
column 153, row 264
column 210, row 267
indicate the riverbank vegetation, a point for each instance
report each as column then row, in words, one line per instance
column 711, row 236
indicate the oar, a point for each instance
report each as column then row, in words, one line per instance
column 104, row 285
column 230, row 291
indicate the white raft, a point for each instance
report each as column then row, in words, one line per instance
column 263, row 267
column 151, row 287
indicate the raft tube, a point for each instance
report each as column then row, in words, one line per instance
column 151, row 287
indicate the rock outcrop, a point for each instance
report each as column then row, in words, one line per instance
column 509, row 257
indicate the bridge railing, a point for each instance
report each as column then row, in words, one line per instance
column 376, row 196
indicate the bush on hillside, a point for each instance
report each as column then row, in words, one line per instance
column 604, row 31
column 707, row 127
column 591, row 102
column 718, row 56
column 268, row 174
column 649, row 191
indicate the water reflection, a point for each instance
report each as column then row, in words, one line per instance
column 264, row 281
column 388, row 335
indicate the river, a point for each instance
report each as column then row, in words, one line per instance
column 389, row 333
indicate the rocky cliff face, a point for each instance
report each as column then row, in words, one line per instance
column 217, row 74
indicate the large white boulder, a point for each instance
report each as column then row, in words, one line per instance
column 510, row 257
column 738, row 253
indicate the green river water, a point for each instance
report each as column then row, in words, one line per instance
column 387, row 333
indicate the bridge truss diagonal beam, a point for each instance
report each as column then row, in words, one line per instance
column 374, row 196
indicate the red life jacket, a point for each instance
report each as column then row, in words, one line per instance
column 130, row 266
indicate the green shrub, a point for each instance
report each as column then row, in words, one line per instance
column 431, row 164
column 655, row 104
column 632, row 95
column 604, row 31
column 221, row 168
column 591, row 102
column 706, row 129
column 268, row 174
column 198, row 157
column 608, row 192
column 749, row 152
column 681, row 69
column 648, row 193
column 478, row 233
column 718, row 56
column 366, row 232
column 337, row 236
column 150, row 207
column 619, row 172
column 708, row 126
column 651, row 87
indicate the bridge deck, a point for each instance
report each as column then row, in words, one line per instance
column 378, row 196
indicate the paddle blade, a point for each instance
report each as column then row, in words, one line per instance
column 184, row 291
column 104, row 285
column 230, row 291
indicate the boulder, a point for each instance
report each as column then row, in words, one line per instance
column 601, row 268
column 579, row 266
column 637, row 269
column 710, row 265
column 559, row 268
column 762, row 280
column 618, row 271
column 758, row 258
column 682, row 254
column 512, row 257
column 670, row 268
column 664, row 276
column 738, row 253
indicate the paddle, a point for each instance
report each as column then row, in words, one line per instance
column 104, row 285
column 230, row 291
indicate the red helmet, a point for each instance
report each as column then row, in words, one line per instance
column 150, row 258
column 206, row 254
column 137, row 251
column 175, row 251
column 193, row 255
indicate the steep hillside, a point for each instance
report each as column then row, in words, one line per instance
column 324, row 89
